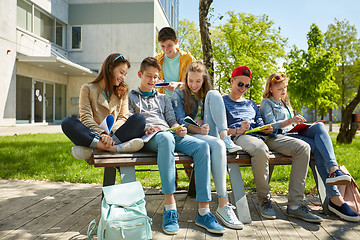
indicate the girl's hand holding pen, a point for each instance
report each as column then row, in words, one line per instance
column 181, row 132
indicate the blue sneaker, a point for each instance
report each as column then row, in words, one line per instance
column 338, row 178
column 344, row 212
column 209, row 222
column 170, row 222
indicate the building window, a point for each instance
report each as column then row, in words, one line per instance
column 23, row 99
column 60, row 34
column 76, row 37
column 44, row 25
column 37, row 21
column 60, row 102
column 24, row 15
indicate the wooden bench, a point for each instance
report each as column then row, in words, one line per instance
column 125, row 163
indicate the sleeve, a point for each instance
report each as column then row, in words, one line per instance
column 258, row 120
column 169, row 113
column 131, row 105
column 123, row 113
column 86, row 110
column 267, row 114
column 178, row 106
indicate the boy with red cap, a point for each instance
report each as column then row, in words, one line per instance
column 242, row 115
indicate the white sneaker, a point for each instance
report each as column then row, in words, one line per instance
column 80, row 152
column 227, row 216
column 132, row 146
column 230, row 145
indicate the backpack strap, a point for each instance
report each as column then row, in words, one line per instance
column 92, row 229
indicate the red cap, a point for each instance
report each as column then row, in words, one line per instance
column 239, row 71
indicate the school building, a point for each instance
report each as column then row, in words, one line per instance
column 49, row 48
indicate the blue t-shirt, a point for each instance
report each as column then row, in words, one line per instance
column 171, row 70
column 236, row 112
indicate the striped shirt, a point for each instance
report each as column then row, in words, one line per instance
column 236, row 112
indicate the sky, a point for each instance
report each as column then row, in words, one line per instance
column 294, row 17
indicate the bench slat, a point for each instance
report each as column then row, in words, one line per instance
column 106, row 159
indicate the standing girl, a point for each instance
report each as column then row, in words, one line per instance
column 106, row 95
column 276, row 108
column 210, row 115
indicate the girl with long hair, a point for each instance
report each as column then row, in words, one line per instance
column 206, row 107
column 106, row 95
column 275, row 108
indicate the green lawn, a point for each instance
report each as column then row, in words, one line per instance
column 48, row 157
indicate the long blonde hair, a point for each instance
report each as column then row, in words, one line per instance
column 273, row 82
column 196, row 66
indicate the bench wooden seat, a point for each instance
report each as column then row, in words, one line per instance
column 125, row 163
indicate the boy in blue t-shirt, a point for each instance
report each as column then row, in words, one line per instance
column 242, row 115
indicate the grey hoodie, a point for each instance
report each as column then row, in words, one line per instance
column 157, row 108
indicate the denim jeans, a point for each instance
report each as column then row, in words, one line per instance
column 165, row 143
column 81, row 135
column 215, row 113
column 218, row 161
column 321, row 146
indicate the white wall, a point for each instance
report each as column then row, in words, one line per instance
column 7, row 69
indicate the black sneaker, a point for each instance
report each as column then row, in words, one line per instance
column 344, row 212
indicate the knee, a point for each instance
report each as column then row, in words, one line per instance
column 165, row 138
column 138, row 118
column 67, row 124
column 260, row 150
column 320, row 127
column 304, row 148
column 203, row 146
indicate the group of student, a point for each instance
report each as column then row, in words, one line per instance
column 222, row 120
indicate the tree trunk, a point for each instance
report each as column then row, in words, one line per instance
column 204, row 6
column 348, row 127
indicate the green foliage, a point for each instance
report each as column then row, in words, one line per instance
column 189, row 38
column 311, row 74
column 343, row 36
column 245, row 39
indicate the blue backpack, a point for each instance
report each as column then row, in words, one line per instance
column 123, row 214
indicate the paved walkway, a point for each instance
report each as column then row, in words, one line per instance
column 29, row 129
column 33, row 129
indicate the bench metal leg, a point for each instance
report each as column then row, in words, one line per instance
column 192, row 189
column 127, row 174
column 237, row 185
column 321, row 188
column 109, row 176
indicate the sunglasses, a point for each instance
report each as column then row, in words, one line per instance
column 120, row 57
column 278, row 77
column 241, row 84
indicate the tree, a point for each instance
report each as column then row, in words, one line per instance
column 204, row 6
column 311, row 74
column 189, row 38
column 245, row 39
column 343, row 37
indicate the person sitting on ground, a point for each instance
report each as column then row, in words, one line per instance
column 275, row 108
column 107, row 94
column 173, row 61
column 159, row 114
column 242, row 115
column 190, row 102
